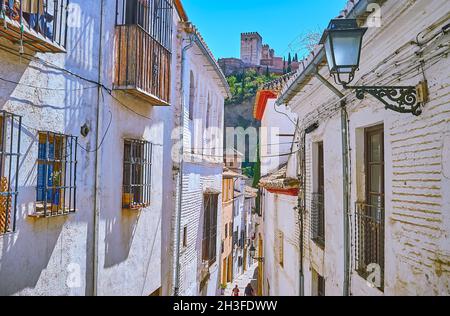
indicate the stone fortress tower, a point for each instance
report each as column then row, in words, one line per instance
column 255, row 55
column 251, row 48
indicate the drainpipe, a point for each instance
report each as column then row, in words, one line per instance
column 345, row 187
column 180, row 172
column 301, row 209
column 97, row 162
column 345, row 181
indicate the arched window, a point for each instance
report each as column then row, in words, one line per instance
column 191, row 96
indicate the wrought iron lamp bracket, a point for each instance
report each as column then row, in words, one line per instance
column 395, row 98
column 261, row 260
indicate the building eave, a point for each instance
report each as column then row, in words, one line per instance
column 181, row 12
column 198, row 39
column 355, row 9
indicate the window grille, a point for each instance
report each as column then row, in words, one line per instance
column 370, row 216
column 153, row 16
column 318, row 199
column 137, row 174
column 210, row 204
column 56, row 174
column 10, row 138
column 318, row 219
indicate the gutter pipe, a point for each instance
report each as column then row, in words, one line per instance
column 97, row 163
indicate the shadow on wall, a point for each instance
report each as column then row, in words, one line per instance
column 119, row 235
column 23, row 259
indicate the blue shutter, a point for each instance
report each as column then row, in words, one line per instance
column 51, row 156
column 42, row 153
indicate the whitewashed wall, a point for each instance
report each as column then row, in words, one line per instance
column 281, row 216
column 276, row 120
column 416, row 154
column 200, row 176
column 44, row 254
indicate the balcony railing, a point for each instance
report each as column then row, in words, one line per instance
column 143, row 49
column 39, row 25
column 318, row 219
column 369, row 226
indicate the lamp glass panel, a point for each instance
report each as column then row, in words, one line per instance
column 329, row 53
column 346, row 47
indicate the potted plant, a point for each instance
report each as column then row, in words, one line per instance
column 222, row 289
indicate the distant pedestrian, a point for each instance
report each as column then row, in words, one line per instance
column 249, row 291
column 236, row 291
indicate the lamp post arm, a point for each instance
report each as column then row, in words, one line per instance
column 401, row 99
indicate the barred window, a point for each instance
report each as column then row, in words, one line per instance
column 137, row 174
column 210, row 204
column 153, row 16
column 56, row 174
column 370, row 216
column 318, row 199
column 10, row 132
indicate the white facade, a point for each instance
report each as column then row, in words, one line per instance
column 200, row 120
column 416, row 245
column 274, row 150
column 101, row 249
column 280, row 242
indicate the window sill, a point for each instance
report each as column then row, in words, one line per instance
column 137, row 208
column 41, row 214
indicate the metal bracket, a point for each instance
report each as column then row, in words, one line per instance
column 398, row 99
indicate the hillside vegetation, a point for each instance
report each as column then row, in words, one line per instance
column 244, row 86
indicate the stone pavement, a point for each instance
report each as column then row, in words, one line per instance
column 248, row 277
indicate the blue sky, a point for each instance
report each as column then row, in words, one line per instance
column 280, row 22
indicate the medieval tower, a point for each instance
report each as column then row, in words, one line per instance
column 251, row 48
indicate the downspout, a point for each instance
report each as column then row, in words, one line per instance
column 345, row 187
column 97, row 162
column 301, row 209
column 180, row 172
column 345, row 181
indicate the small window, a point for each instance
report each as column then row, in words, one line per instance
column 210, row 205
column 320, row 285
column 231, row 229
column 10, row 132
column 137, row 174
column 185, row 237
column 318, row 199
column 226, row 230
column 279, row 246
column 56, row 174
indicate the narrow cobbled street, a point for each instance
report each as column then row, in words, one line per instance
column 249, row 276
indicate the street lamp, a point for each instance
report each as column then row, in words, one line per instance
column 253, row 253
column 342, row 41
